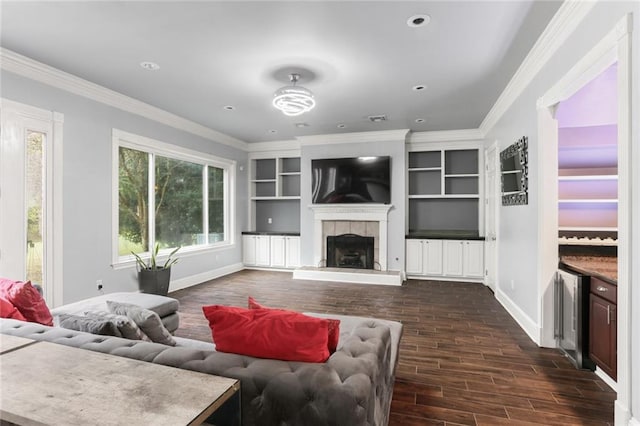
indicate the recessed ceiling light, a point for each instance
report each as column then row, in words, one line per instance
column 420, row 120
column 229, row 107
column 341, row 126
column 273, row 131
column 419, row 87
column 150, row 66
column 301, row 125
column 418, row 20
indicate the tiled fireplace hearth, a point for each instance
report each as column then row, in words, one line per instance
column 366, row 220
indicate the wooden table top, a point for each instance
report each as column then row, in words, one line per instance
column 55, row 384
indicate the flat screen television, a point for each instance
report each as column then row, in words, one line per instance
column 351, row 180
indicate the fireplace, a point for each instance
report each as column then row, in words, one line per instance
column 350, row 251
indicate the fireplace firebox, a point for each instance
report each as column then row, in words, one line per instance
column 350, row 251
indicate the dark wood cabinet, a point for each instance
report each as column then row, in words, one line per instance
column 603, row 329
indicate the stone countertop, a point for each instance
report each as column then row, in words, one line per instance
column 443, row 235
column 603, row 267
column 286, row 234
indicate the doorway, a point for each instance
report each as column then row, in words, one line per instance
column 614, row 48
column 30, row 224
column 492, row 197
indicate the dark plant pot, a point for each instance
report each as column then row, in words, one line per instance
column 155, row 281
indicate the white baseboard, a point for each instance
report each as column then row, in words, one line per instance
column 528, row 325
column 622, row 415
column 634, row 421
column 192, row 280
column 608, row 380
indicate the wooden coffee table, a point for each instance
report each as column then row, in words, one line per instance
column 48, row 383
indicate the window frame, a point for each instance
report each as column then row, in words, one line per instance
column 151, row 146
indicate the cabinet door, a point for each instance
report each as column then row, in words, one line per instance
column 473, row 259
column 249, row 249
column 278, row 251
column 292, row 250
column 263, row 257
column 452, row 258
column 414, row 256
column 603, row 334
column 432, row 260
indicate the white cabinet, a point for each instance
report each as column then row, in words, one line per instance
column 424, row 257
column 432, row 260
column 249, row 249
column 445, row 259
column 473, row 259
column 292, row 252
column 256, row 250
column 452, row 257
column 414, row 256
column 276, row 251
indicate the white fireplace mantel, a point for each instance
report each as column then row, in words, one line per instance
column 352, row 212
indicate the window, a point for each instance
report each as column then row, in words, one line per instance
column 35, row 173
column 170, row 196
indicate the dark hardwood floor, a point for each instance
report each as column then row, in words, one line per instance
column 463, row 359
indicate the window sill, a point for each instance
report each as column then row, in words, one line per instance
column 130, row 261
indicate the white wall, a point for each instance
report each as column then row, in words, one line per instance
column 87, row 187
column 396, row 226
column 518, row 251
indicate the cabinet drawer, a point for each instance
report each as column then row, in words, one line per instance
column 604, row 289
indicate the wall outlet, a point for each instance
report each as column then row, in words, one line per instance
column 99, row 285
column 513, row 284
column 269, row 220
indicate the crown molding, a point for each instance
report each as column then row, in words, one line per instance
column 599, row 58
column 445, row 136
column 291, row 144
column 355, row 137
column 561, row 26
column 34, row 70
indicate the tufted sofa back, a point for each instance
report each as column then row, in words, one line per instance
column 354, row 387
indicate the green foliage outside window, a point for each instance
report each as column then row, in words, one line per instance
column 179, row 202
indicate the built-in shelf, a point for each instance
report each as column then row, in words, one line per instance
column 274, row 191
column 589, row 201
column 444, row 189
column 588, row 179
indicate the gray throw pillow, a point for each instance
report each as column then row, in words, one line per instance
column 147, row 320
column 127, row 327
column 89, row 325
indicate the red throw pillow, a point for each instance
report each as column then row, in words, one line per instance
column 26, row 298
column 334, row 324
column 7, row 310
column 264, row 333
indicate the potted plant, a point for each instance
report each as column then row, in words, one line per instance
column 153, row 278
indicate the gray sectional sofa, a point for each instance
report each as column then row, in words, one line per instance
column 353, row 387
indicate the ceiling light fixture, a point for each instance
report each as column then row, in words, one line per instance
column 293, row 100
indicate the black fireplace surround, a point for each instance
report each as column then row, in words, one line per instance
column 350, row 251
